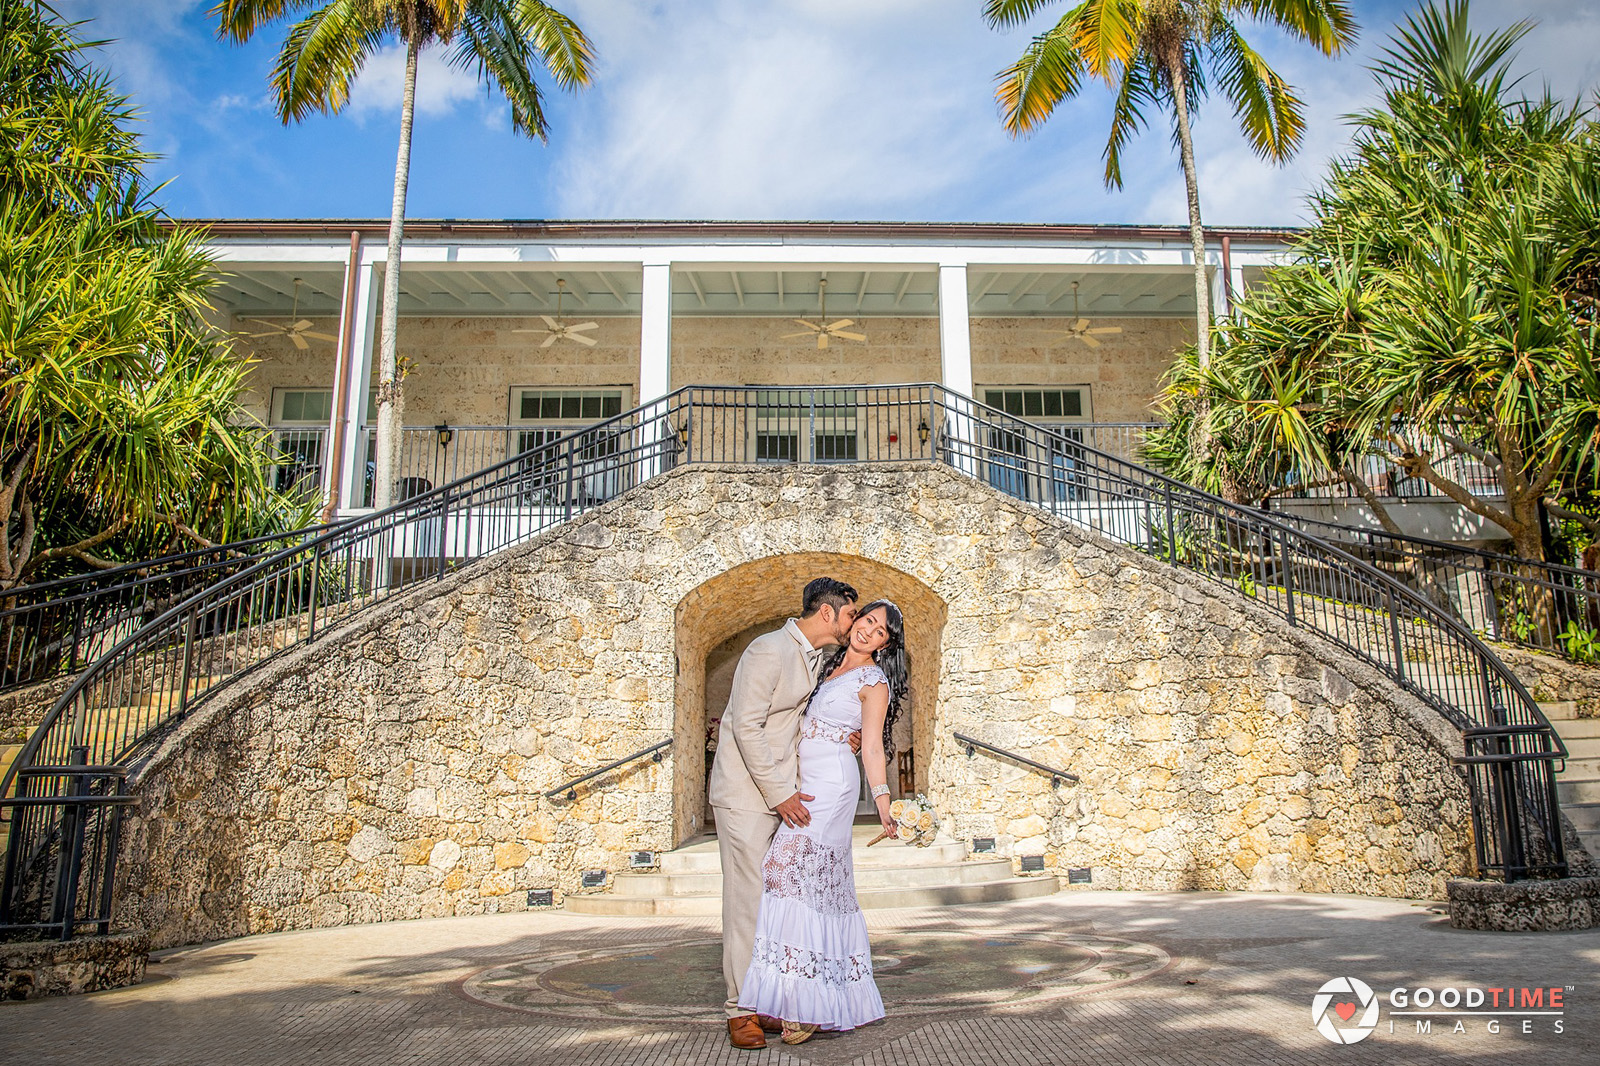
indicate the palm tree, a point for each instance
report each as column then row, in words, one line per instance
column 504, row 40
column 1161, row 52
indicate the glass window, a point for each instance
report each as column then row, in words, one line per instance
column 1040, row 403
column 571, row 407
column 303, row 406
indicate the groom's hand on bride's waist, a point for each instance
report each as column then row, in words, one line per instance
column 793, row 810
column 855, row 743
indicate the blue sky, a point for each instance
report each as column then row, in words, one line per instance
column 732, row 109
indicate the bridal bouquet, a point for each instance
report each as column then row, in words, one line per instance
column 915, row 822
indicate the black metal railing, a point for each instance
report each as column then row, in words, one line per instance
column 75, row 810
column 569, row 789
column 974, row 745
column 51, row 628
column 119, row 707
column 1545, row 606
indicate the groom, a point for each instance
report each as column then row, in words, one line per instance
column 755, row 778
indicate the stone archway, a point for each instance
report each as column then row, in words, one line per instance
column 737, row 604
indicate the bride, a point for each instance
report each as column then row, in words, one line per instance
column 812, row 966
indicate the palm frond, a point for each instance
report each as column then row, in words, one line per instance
column 1137, row 89
column 1108, row 34
column 1049, row 71
column 1005, row 14
column 322, row 55
column 1326, row 25
column 1271, row 116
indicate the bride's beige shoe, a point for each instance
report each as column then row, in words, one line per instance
column 795, row 1033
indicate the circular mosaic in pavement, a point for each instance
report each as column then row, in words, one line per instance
column 917, row 973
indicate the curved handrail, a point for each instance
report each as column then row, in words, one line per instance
column 973, row 744
column 571, row 787
column 47, row 627
column 359, row 562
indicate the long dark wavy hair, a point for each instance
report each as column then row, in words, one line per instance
column 892, row 659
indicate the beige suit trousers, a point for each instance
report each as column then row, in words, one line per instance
column 742, row 839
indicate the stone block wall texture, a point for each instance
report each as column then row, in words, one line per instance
column 1550, row 678
column 37, row 969
column 395, row 769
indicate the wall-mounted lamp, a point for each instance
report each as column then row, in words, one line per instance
column 922, row 431
column 446, row 434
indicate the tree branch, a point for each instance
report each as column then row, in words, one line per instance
column 1370, row 498
column 1589, row 522
column 182, row 527
column 81, row 549
column 1416, row 465
column 1484, row 456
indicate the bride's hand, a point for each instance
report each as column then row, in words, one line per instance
column 891, row 828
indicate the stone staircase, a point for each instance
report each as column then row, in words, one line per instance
column 1578, row 786
column 888, row 874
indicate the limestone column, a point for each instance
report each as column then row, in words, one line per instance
column 351, row 463
column 954, row 430
column 656, row 442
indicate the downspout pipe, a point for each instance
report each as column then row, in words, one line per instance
column 341, row 385
column 1227, row 274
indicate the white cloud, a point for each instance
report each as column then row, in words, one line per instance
column 805, row 108
column 441, row 88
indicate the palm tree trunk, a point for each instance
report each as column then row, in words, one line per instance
column 391, row 395
column 1197, row 233
column 1197, row 241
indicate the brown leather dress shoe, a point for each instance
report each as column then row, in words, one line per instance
column 744, row 1032
column 769, row 1024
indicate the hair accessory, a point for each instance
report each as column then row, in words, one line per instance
column 879, row 790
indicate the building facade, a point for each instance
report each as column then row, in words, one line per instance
column 514, row 334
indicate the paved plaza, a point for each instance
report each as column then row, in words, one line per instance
column 1090, row 977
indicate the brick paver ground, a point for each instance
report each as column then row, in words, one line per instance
column 1238, row 991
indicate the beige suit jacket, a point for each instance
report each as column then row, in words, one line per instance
column 757, row 765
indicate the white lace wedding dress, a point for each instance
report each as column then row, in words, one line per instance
column 811, row 962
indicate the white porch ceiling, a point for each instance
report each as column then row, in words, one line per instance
column 268, row 290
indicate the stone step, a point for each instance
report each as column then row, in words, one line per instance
column 1578, row 728
column 1582, row 748
column 1571, row 790
column 871, row 899
column 867, row 878
column 702, row 857
column 1560, row 710
column 1585, row 817
column 1591, row 843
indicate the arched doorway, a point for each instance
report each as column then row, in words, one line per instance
column 717, row 620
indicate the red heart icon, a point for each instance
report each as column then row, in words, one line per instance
column 1344, row 1010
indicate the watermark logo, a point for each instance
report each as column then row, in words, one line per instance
column 1345, row 1010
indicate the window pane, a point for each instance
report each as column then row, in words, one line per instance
column 591, row 407
column 611, row 406
column 1052, row 404
column 834, row 446
column 1073, row 403
column 550, row 407
column 571, row 407
column 528, row 406
column 994, row 398
column 1033, row 403
column 293, row 406
column 776, row 447
column 1013, row 403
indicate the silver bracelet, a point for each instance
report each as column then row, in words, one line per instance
column 879, row 790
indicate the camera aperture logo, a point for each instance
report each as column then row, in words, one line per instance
column 1345, row 1010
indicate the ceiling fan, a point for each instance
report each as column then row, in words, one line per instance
column 298, row 328
column 555, row 328
column 823, row 329
column 1079, row 330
